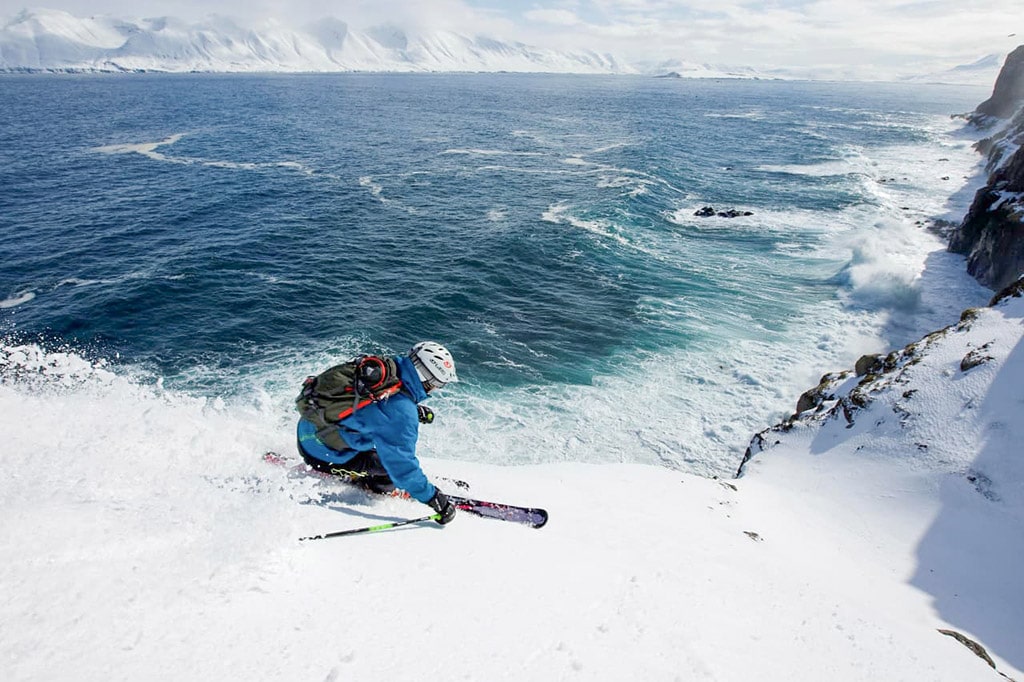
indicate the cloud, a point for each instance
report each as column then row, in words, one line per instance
column 560, row 17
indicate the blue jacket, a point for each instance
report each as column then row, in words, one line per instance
column 390, row 426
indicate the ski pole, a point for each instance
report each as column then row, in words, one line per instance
column 372, row 529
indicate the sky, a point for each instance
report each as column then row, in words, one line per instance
column 881, row 35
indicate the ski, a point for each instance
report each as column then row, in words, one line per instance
column 530, row 516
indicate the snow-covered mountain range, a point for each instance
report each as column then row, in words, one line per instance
column 56, row 41
column 51, row 40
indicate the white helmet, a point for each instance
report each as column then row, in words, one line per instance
column 433, row 363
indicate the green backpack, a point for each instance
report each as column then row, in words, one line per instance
column 337, row 392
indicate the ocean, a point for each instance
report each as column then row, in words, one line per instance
column 179, row 251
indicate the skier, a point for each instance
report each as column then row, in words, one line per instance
column 375, row 444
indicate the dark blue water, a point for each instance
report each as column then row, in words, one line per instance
column 211, row 227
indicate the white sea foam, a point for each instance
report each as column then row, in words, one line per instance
column 149, row 150
column 490, row 152
column 17, row 299
column 491, row 168
column 609, row 147
column 77, row 282
column 271, row 279
column 132, row 275
column 853, row 160
column 636, row 186
column 561, row 213
column 753, row 115
column 376, row 190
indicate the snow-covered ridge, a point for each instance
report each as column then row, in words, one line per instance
column 51, row 40
column 935, row 425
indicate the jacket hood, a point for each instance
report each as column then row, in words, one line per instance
column 411, row 382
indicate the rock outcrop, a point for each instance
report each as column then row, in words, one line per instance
column 992, row 233
column 1008, row 92
column 844, row 396
column 709, row 211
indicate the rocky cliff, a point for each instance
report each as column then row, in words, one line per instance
column 1008, row 92
column 992, row 233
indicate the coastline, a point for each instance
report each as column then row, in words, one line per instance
column 987, row 233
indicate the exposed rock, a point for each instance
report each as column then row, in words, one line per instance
column 709, row 211
column 868, row 364
column 978, row 649
column 972, row 313
column 819, row 394
column 837, row 397
column 1008, row 93
column 1015, row 290
column 992, row 234
column 976, row 357
column 983, row 484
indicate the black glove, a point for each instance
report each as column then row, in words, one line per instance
column 426, row 414
column 443, row 506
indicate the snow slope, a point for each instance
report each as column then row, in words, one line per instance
column 163, row 549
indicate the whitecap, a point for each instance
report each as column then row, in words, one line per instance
column 149, row 150
column 376, row 190
column 560, row 213
column 490, row 152
column 17, row 299
column 611, row 146
column 76, row 282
